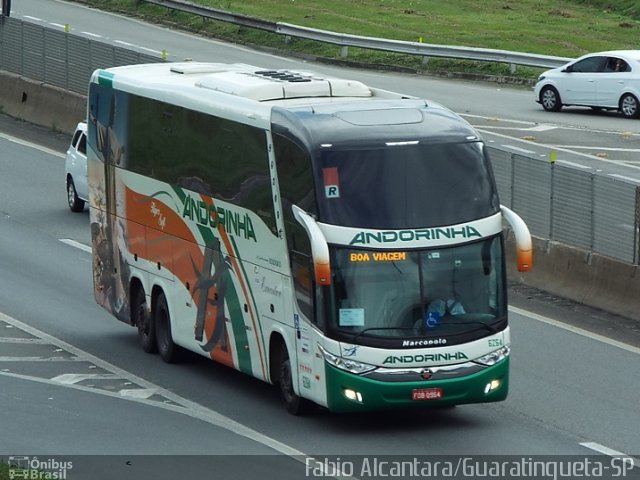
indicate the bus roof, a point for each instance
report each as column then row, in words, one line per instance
column 208, row 86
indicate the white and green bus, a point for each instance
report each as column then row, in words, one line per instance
column 343, row 242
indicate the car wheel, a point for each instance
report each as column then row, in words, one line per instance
column 295, row 405
column 629, row 105
column 75, row 203
column 144, row 322
column 550, row 99
column 162, row 323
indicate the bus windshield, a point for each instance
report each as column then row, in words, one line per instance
column 452, row 293
column 405, row 186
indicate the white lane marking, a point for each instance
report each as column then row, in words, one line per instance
column 608, row 149
column 32, row 145
column 573, row 164
column 541, row 128
column 23, row 340
column 73, row 378
column 184, row 406
column 623, row 177
column 90, row 34
column 610, row 452
column 518, row 149
column 498, row 119
column 579, row 331
column 36, row 19
column 38, row 359
column 73, row 243
column 127, row 44
column 535, row 128
column 158, row 52
column 138, row 392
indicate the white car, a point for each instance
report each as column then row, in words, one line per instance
column 602, row 81
column 75, row 168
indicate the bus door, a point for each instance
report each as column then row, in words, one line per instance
column 309, row 360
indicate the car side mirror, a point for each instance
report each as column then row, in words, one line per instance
column 568, row 69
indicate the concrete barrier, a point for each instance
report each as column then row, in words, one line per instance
column 35, row 102
column 584, row 277
column 565, row 271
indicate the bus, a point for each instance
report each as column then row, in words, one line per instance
column 342, row 242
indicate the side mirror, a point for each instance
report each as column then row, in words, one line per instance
column 319, row 246
column 568, row 69
column 524, row 248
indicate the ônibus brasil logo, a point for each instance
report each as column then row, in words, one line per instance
column 390, row 236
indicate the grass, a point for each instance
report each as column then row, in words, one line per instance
column 567, row 28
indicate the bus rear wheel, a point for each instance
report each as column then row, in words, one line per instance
column 162, row 323
column 295, row 404
column 142, row 320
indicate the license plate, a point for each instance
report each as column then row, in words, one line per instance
column 426, row 393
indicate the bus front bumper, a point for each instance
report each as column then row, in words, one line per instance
column 347, row 392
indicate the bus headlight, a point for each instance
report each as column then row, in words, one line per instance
column 493, row 357
column 349, row 365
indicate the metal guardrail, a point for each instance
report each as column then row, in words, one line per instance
column 344, row 40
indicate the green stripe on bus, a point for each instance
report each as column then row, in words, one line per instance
column 105, row 78
column 181, row 195
column 237, row 324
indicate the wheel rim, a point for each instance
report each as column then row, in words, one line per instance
column 629, row 106
column 71, row 193
column 549, row 99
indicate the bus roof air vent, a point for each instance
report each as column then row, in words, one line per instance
column 264, row 85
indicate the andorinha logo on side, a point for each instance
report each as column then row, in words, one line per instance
column 208, row 215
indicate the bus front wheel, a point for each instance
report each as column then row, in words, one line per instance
column 162, row 323
column 295, row 404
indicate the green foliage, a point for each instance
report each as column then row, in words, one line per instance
column 628, row 8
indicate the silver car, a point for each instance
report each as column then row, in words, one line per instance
column 75, row 168
column 602, row 81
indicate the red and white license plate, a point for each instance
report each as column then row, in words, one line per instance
column 426, row 393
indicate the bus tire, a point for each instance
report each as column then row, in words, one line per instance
column 295, row 404
column 162, row 323
column 143, row 321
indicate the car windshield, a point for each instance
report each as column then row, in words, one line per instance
column 453, row 292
